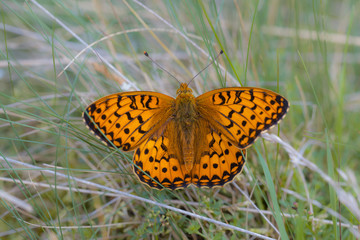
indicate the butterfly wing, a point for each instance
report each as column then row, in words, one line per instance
column 125, row 120
column 218, row 162
column 242, row 113
column 156, row 161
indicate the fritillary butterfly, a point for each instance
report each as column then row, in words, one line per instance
column 188, row 140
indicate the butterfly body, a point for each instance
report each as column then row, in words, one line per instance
column 187, row 140
column 186, row 123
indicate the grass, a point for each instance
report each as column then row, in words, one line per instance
column 58, row 181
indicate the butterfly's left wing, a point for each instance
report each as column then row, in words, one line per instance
column 125, row 120
column 218, row 161
column 242, row 113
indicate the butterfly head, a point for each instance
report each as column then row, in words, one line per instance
column 185, row 101
column 184, row 89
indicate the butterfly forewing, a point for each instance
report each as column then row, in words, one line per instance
column 242, row 114
column 125, row 120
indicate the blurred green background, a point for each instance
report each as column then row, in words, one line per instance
column 57, row 181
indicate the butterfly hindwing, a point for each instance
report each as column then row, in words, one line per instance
column 242, row 114
column 219, row 163
column 155, row 163
column 124, row 120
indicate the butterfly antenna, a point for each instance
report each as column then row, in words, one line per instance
column 221, row 52
column 148, row 56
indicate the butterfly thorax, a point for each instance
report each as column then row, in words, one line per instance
column 185, row 108
column 185, row 119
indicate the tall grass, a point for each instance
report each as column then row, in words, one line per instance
column 59, row 181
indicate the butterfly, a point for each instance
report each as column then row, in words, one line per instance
column 186, row 140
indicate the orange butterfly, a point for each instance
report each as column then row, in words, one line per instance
column 186, row 140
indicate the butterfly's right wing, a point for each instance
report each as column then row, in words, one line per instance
column 156, row 162
column 127, row 119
